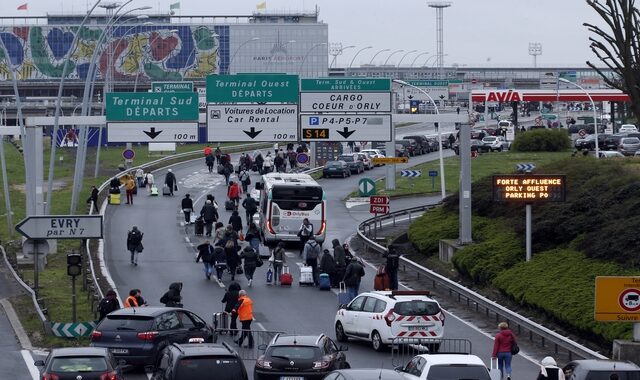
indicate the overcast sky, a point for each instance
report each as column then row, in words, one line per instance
column 476, row 32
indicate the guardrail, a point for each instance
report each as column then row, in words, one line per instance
column 471, row 298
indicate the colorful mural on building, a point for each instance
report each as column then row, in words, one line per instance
column 151, row 52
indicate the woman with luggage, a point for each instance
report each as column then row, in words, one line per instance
column 327, row 266
column 205, row 252
column 278, row 259
column 230, row 299
column 502, row 345
column 253, row 236
column 251, row 259
column 235, row 221
column 231, row 253
column 219, row 262
column 149, row 182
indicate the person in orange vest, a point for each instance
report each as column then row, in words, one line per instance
column 207, row 150
column 244, row 309
column 131, row 301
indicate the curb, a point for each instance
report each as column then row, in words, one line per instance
column 23, row 338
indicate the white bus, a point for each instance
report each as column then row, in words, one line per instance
column 285, row 200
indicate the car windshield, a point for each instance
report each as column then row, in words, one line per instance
column 294, row 352
column 126, row 322
column 631, row 140
column 333, row 164
column 489, row 139
column 225, row 368
column 346, row 158
column 458, row 371
column 606, row 375
column 416, row 307
column 79, row 364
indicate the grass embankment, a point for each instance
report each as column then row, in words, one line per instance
column 55, row 284
column 573, row 241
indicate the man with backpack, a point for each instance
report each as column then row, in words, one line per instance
column 209, row 214
column 393, row 262
column 205, row 252
column 245, row 179
column 134, row 244
column 108, row 304
column 310, row 256
column 251, row 207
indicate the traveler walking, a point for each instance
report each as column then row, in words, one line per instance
column 130, row 186
column 230, row 300
column 341, row 263
column 502, row 344
column 219, row 262
column 267, row 164
column 353, row 276
column 251, row 259
column 250, row 207
column 187, row 208
column 259, row 162
column 278, row 161
column 219, row 232
column 328, row 265
column 278, row 259
column 310, row 256
column 171, row 181
column 205, row 252
column 233, row 193
column 304, row 233
column 253, row 237
column 209, row 160
column 140, row 178
column 134, row 244
column 549, row 370
column 244, row 309
column 150, row 181
column 218, row 153
column 235, row 221
column 209, row 215
column 231, row 252
column 131, row 301
column 172, row 297
column 393, row 262
column 227, row 169
column 108, row 304
column 245, row 178
column 93, row 198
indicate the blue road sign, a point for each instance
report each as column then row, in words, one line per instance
column 128, row 154
column 433, row 173
column 314, row 120
column 410, row 173
column 527, row 167
column 302, row 158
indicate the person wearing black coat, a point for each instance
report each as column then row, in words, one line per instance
column 219, row 261
column 250, row 257
column 210, row 215
column 230, row 250
column 171, row 181
column 236, row 221
column 172, row 297
column 205, row 252
column 209, row 160
column 108, row 304
column 328, row 266
column 352, row 277
column 230, row 300
column 187, row 208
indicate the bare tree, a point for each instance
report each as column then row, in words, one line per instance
column 616, row 45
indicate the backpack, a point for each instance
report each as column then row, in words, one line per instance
column 106, row 306
column 134, row 238
column 165, row 298
column 314, row 252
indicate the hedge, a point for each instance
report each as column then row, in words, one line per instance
column 542, row 140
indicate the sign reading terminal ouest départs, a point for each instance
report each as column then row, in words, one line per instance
column 252, row 88
column 529, row 188
column 152, row 106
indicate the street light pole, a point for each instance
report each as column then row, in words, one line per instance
column 595, row 114
column 416, row 58
column 391, row 55
column 428, row 59
column 358, row 52
column 238, row 49
column 339, row 53
column 405, row 55
column 375, row 55
column 441, row 156
column 306, row 55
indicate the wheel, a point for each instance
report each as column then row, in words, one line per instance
column 499, row 149
column 340, row 335
column 349, row 174
column 324, row 175
column 344, row 175
column 376, row 342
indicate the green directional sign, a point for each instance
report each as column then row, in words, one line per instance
column 366, row 187
column 171, row 86
column 428, row 83
column 252, row 88
column 345, row 84
column 72, row 330
column 152, row 106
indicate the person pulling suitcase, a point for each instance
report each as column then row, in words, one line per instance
column 187, row 208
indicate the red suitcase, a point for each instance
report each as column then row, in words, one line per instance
column 286, row 278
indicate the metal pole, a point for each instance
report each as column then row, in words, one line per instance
column 636, row 332
column 73, row 299
column 5, row 187
column 358, row 52
column 465, row 181
column 36, row 270
column 390, row 148
column 54, row 134
column 528, row 231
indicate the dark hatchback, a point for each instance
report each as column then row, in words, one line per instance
column 410, row 146
column 336, row 168
column 137, row 335
column 299, row 357
column 86, row 363
column 200, row 361
column 476, row 146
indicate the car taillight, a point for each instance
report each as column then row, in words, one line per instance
column 390, row 317
column 50, row 376
column 147, row 335
column 113, row 375
column 324, row 363
column 263, row 363
column 95, row 335
column 270, row 228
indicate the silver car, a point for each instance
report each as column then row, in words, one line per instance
column 629, row 145
column 496, row 143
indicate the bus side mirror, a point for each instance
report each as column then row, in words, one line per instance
column 259, row 186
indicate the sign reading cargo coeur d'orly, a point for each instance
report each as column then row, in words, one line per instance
column 152, row 116
column 252, row 107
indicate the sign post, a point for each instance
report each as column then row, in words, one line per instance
column 433, row 174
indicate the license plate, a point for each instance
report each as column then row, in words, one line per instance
column 291, row 378
column 119, row 351
column 418, row 328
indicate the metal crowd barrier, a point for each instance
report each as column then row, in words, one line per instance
column 520, row 324
column 405, row 348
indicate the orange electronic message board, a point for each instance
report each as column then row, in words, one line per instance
column 529, row 188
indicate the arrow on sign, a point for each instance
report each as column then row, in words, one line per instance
column 525, row 167
column 410, row 173
column 410, row 96
column 252, row 132
column 152, row 133
column 345, row 132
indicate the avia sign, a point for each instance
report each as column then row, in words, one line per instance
column 504, row 96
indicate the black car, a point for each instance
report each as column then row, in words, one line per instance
column 200, row 361
column 137, row 335
column 410, row 146
column 589, row 142
column 611, row 142
column 364, row 374
column 336, row 168
column 433, row 143
column 86, row 363
column 353, row 161
column 476, row 146
column 299, row 356
column 422, row 145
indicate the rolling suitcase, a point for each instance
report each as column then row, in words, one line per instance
column 324, row 282
column 343, row 296
column 381, row 280
column 114, row 199
column 198, row 226
column 306, row 276
column 494, row 371
column 221, row 321
column 286, row 278
column 154, row 191
column 166, row 190
column 229, row 205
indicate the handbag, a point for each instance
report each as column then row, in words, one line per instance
column 139, row 248
column 259, row 262
column 514, row 348
column 241, row 237
column 269, row 275
column 175, row 187
column 272, row 258
column 239, row 270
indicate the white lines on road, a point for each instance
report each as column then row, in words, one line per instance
column 260, row 326
column 28, row 361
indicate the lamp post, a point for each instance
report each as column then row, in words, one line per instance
column 405, row 56
column 238, row 49
column 358, row 52
column 428, row 59
column 391, row 55
column 441, row 157
column 375, row 55
column 307, row 54
column 595, row 115
column 416, row 58
column 340, row 52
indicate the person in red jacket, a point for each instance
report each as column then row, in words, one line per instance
column 233, row 193
column 502, row 349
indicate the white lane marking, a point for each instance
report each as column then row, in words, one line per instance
column 260, row 326
column 28, row 361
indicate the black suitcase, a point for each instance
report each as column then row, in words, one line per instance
column 166, row 190
column 198, row 226
column 229, row 205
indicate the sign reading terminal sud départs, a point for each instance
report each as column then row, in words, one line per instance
column 529, row 188
column 152, row 106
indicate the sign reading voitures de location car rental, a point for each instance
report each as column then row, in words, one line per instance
column 252, row 122
column 171, row 86
column 252, row 88
column 346, row 127
column 152, row 106
column 617, row 299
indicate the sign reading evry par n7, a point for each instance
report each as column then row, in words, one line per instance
column 61, row 227
column 617, row 299
column 529, row 188
column 252, row 88
column 152, row 106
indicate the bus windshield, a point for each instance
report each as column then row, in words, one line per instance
column 297, row 198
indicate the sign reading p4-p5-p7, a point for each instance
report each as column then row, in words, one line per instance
column 345, row 109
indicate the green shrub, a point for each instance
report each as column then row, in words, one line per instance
column 561, row 283
column 542, row 140
column 427, row 230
